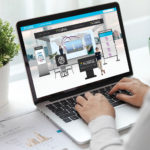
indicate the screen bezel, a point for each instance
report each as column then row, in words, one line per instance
column 85, row 87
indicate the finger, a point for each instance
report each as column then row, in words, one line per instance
column 88, row 95
column 80, row 100
column 124, row 97
column 78, row 108
column 98, row 94
column 120, row 86
column 125, row 79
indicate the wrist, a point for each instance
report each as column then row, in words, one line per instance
column 112, row 114
column 146, row 91
column 101, row 122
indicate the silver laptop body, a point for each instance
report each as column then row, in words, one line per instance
column 62, row 63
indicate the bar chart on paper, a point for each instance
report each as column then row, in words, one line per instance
column 33, row 132
column 37, row 140
column 32, row 141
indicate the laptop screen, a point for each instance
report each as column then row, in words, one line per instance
column 74, row 51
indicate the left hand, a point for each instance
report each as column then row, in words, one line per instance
column 135, row 86
column 93, row 106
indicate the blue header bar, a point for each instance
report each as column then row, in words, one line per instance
column 38, row 25
column 105, row 34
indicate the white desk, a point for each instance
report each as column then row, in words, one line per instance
column 20, row 99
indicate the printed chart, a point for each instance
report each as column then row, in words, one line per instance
column 33, row 132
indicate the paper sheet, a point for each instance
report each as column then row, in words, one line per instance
column 34, row 132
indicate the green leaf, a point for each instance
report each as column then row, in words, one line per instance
column 8, row 47
column 1, row 64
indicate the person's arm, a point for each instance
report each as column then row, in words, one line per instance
column 99, row 113
column 104, row 134
column 140, row 134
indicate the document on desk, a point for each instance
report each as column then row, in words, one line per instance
column 33, row 132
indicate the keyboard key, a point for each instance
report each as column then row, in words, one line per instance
column 111, row 101
column 114, row 95
column 117, row 103
column 74, row 117
column 57, row 104
column 64, row 102
column 74, row 98
column 71, row 110
column 72, row 104
column 108, row 88
column 63, row 116
column 103, row 91
column 94, row 92
column 75, row 112
column 61, row 112
column 107, row 96
column 118, row 92
column 125, row 92
column 58, row 113
column 66, row 115
column 70, row 100
column 66, row 120
column 67, row 107
column 51, row 107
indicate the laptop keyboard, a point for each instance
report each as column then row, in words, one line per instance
column 65, row 109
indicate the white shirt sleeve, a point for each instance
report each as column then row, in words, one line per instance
column 106, row 137
column 104, row 134
column 140, row 134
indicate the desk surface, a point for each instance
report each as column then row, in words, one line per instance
column 20, row 99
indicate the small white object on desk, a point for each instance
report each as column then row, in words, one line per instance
column 4, row 75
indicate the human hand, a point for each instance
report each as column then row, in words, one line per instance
column 135, row 86
column 93, row 106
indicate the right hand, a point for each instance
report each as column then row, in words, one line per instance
column 93, row 106
column 135, row 86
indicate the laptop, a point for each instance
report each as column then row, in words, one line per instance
column 60, row 57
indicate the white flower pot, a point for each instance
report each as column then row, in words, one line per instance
column 4, row 78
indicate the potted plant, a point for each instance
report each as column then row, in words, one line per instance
column 8, row 49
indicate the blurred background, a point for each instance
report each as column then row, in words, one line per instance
column 135, row 13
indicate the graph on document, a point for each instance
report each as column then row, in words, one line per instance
column 33, row 132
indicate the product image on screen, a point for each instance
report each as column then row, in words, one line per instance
column 108, row 44
column 70, row 52
column 40, row 56
column 88, row 64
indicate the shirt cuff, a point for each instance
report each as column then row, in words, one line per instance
column 147, row 96
column 102, row 122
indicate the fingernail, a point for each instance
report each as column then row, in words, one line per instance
column 117, row 95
